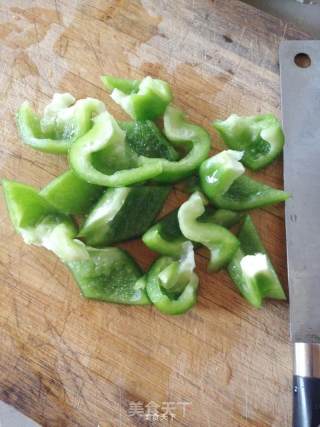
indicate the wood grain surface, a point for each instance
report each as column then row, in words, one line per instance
column 65, row 361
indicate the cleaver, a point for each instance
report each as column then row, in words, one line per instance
column 300, row 96
column 10, row 417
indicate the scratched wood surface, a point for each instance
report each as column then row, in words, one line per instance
column 65, row 361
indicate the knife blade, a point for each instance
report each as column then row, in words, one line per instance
column 10, row 417
column 300, row 96
column 301, row 119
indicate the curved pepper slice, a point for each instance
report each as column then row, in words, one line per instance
column 123, row 213
column 246, row 193
column 260, row 137
column 222, row 182
column 142, row 100
column 183, row 135
column 39, row 223
column 109, row 274
column 70, row 194
column 103, row 157
column 251, row 268
column 63, row 121
column 25, row 206
column 172, row 285
column 166, row 238
column 57, row 233
column 221, row 243
column 146, row 139
column 218, row 173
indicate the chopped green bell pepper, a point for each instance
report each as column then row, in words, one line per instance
column 25, row 206
column 246, row 193
column 186, row 136
column 103, row 157
column 176, row 276
column 109, row 274
column 70, row 194
column 166, row 238
column 123, row 213
column 260, row 137
column 221, row 243
column 223, row 217
column 126, row 86
column 63, row 121
column 146, row 139
column 172, row 285
column 251, row 268
column 222, row 182
column 39, row 223
column 218, row 173
column 142, row 100
column 57, row 233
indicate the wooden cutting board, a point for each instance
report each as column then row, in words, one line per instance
column 66, row 361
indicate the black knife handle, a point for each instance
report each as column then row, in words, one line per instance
column 306, row 402
column 306, row 385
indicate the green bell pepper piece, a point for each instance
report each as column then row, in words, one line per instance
column 251, row 268
column 25, row 206
column 166, row 238
column 63, row 121
column 39, row 223
column 171, row 285
column 260, row 137
column 142, row 100
column 103, row 157
column 126, row 86
column 246, row 193
column 222, row 182
column 123, row 213
column 186, row 136
column 109, row 274
column 146, row 139
column 57, row 233
column 218, row 173
column 223, row 217
column 70, row 194
column 221, row 243
column 176, row 276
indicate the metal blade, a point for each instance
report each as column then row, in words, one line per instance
column 300, row 89
column 10, row 417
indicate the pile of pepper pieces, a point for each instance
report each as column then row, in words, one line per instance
column 119, row 178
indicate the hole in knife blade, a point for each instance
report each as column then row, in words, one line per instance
column 302, row 60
